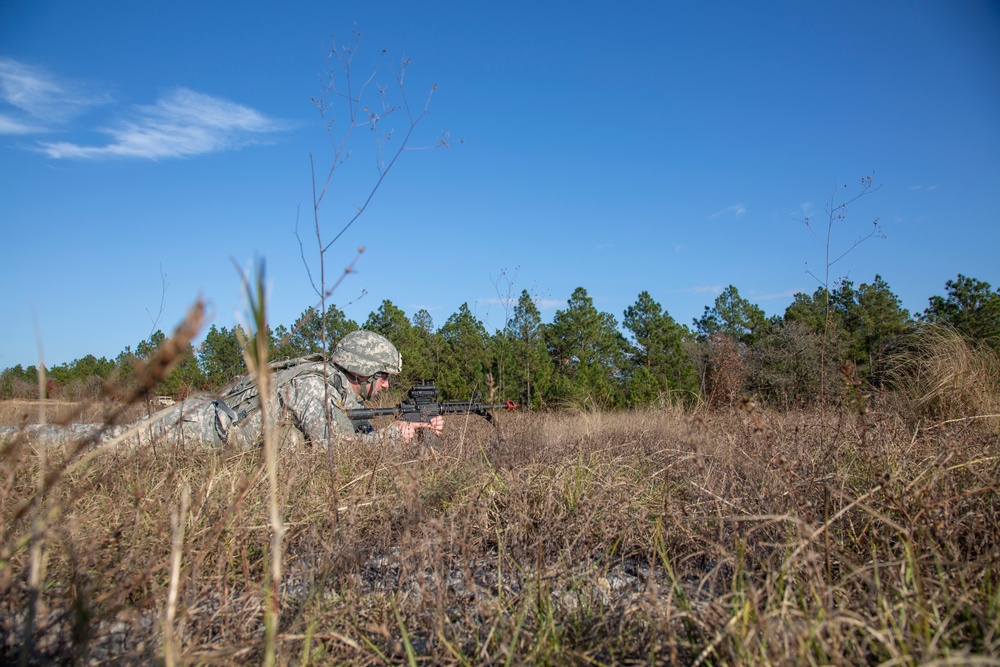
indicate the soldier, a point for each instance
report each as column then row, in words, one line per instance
column 358, row 369
column 310, row 394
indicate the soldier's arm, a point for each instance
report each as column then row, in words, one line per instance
column 304, row 397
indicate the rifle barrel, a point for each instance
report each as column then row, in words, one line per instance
column 447, row 408
column 370, row 413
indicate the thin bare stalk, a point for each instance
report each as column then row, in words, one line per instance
column 835, row 213
column 36, row 553
column 177, row 519
column 358, row 112
column 255, row 353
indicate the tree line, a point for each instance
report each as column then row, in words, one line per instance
column 586, row 357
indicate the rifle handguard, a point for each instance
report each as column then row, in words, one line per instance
column 422, row 405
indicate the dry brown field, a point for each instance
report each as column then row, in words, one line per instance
column 19, row 412
column 739, row 536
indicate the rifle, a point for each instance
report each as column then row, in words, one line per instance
column 422, row 404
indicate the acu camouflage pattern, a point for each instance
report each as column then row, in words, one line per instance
column 366, row 353
column 190, row 422
column 234, row 418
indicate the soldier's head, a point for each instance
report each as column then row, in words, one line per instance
column 368, row 359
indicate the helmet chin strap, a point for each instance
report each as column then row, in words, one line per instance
column 366, row 385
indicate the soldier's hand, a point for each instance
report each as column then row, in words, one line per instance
column 408, row 429
column 437, row 424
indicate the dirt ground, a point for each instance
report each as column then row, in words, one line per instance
column 20, row 412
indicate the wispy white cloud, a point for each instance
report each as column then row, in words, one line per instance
column 704, row 289
column 12, row 125
column 803, row 212
column 548, row 304
column 678, row 247
column 182, row 124
column 778, row 295
column 540, row 303
column 496, row 301
column 736, row 210
column 38, row 101
column 928, row 188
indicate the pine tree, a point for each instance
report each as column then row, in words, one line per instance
column 465, row 359
column 808, row 311
column 970, row 307
column 392, row 323
column 527, row 355
column 878, row 318
column 221, row 357
column 733, row 316
column 862, row 321
column 588, row 352
column 306, row 336
column 424, row 359
column 660, row 364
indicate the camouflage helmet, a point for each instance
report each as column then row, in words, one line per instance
column 366, row 353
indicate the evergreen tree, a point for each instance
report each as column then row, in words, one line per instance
column 660, row 364
column 82, row 378
column 92, row 366
column 824, row 315
column 527, row 357
column 186, row 378
column 733, row 316
column 862, row 321
column 726, row 332
column 125, row 367
column 306, row 336
column 808, row 311
column 389, row 321
column 338, row 325
column 877, row 318
column 221, row 357
column 281, row 346
column 187, row 375
column 465, row 359
column 18, row 382
column 150, row 345
column 392, row 323
column 970, row 307
column 425, row 358
column 422, row 320
column 588, row 352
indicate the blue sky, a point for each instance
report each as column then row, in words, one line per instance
column 670, row 147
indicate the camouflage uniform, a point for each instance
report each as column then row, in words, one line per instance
column 234, row 418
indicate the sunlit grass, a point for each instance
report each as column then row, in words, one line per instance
column 719, row 537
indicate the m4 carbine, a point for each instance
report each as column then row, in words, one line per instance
column 422, row 405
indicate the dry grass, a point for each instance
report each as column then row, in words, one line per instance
column 942, row 375
column 729, row 537
column 20, row 412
